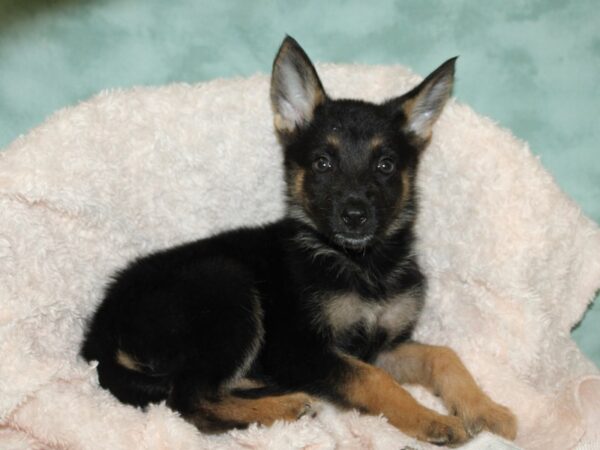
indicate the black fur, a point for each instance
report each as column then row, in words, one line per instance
column 256, row 303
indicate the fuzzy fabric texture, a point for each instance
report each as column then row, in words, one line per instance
column 512, row 262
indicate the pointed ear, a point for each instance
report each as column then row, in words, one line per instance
column 422, row 106
column 296, row 90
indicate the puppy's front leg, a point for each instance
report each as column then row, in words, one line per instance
column 441, row 370
column 374, row 391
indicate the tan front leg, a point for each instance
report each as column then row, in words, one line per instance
column 374, row 391
column 441, row 370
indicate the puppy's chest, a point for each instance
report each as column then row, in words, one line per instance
column 357, row 321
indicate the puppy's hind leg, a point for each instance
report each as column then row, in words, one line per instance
column 238, row 405
column 441, row 370
column 227, row 411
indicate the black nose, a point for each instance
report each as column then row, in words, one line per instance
column 354, row 217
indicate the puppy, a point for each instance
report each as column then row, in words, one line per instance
column 254, row 324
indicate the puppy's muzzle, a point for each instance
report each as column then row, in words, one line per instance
column 355, row 217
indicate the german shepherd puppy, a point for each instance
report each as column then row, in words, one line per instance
column 253, row 324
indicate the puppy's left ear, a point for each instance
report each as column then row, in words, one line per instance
column 420, row 108
column 296, row 90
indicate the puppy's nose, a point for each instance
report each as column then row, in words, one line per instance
column 354, row 217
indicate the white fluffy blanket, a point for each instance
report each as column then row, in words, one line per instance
column 512, row 262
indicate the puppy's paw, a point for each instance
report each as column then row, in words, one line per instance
column 293, row 406
column 444, row 430
column 488, row 415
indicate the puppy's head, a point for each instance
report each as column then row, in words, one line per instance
column 350, row 164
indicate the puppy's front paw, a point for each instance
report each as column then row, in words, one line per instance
column 490, row 416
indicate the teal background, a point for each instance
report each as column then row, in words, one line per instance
column 531, row 65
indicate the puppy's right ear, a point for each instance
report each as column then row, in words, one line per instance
column 296, row 90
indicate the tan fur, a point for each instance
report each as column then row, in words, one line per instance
column 374, row 391
column 298, row 187
column 282, row 125
column 299, row 184
column 440, row 370
column 401, row 219
column 334, row 141
column 245, row 383
column 343, row 311
column 127, row 361
column 320, row 97
column 375, row 142
column 243, row 411
column 408, row 106
column 399, row 313
column 406, row 189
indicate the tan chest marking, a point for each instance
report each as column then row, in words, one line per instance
column 392, row 315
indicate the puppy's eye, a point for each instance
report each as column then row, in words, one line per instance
column 322, row 164
column 386, row 166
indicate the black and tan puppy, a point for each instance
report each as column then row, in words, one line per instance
column 251, row 325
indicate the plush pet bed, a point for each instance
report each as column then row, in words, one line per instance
column 512, row 262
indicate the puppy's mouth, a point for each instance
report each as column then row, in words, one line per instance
column 352, row 241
